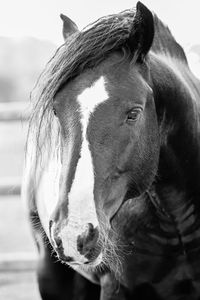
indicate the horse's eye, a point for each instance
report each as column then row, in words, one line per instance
column 133, row 114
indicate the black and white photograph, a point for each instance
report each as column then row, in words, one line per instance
column 100, row 150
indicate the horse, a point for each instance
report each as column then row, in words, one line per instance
column 113, row 164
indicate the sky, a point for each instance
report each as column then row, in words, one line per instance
column 40, row 18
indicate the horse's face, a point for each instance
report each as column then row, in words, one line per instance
column 109, row 153
column 109, row 144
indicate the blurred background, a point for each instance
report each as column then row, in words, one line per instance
column 30, row 31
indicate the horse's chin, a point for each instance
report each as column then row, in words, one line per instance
column 91, row 269
column 93, row 264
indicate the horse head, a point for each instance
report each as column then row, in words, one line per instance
column 109, row 145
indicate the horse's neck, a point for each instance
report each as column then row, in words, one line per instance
column 164, row 42
column 177, row 98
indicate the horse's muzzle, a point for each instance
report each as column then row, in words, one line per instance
column 76, row 246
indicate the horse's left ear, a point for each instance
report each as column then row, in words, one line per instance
column 142, row 32
column 69, row 27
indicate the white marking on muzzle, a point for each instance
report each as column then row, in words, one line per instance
column 81, row 206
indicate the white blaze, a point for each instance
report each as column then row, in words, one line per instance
column 81, row 206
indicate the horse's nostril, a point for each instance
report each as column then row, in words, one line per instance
column 87, row 240
column 58, row 242
column 80, row 244
column 50, row 225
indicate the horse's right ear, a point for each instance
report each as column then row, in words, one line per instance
column 142, row 32
column 69, row 27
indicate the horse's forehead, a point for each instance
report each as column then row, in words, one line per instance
column 93, row 91
column 92, row 96
column 95, row 86
column 93, row 82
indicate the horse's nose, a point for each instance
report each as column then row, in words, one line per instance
column 87, row 241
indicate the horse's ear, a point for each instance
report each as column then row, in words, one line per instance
column 69, row 27
column 142, row 33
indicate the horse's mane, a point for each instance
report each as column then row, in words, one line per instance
column 164, row 42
